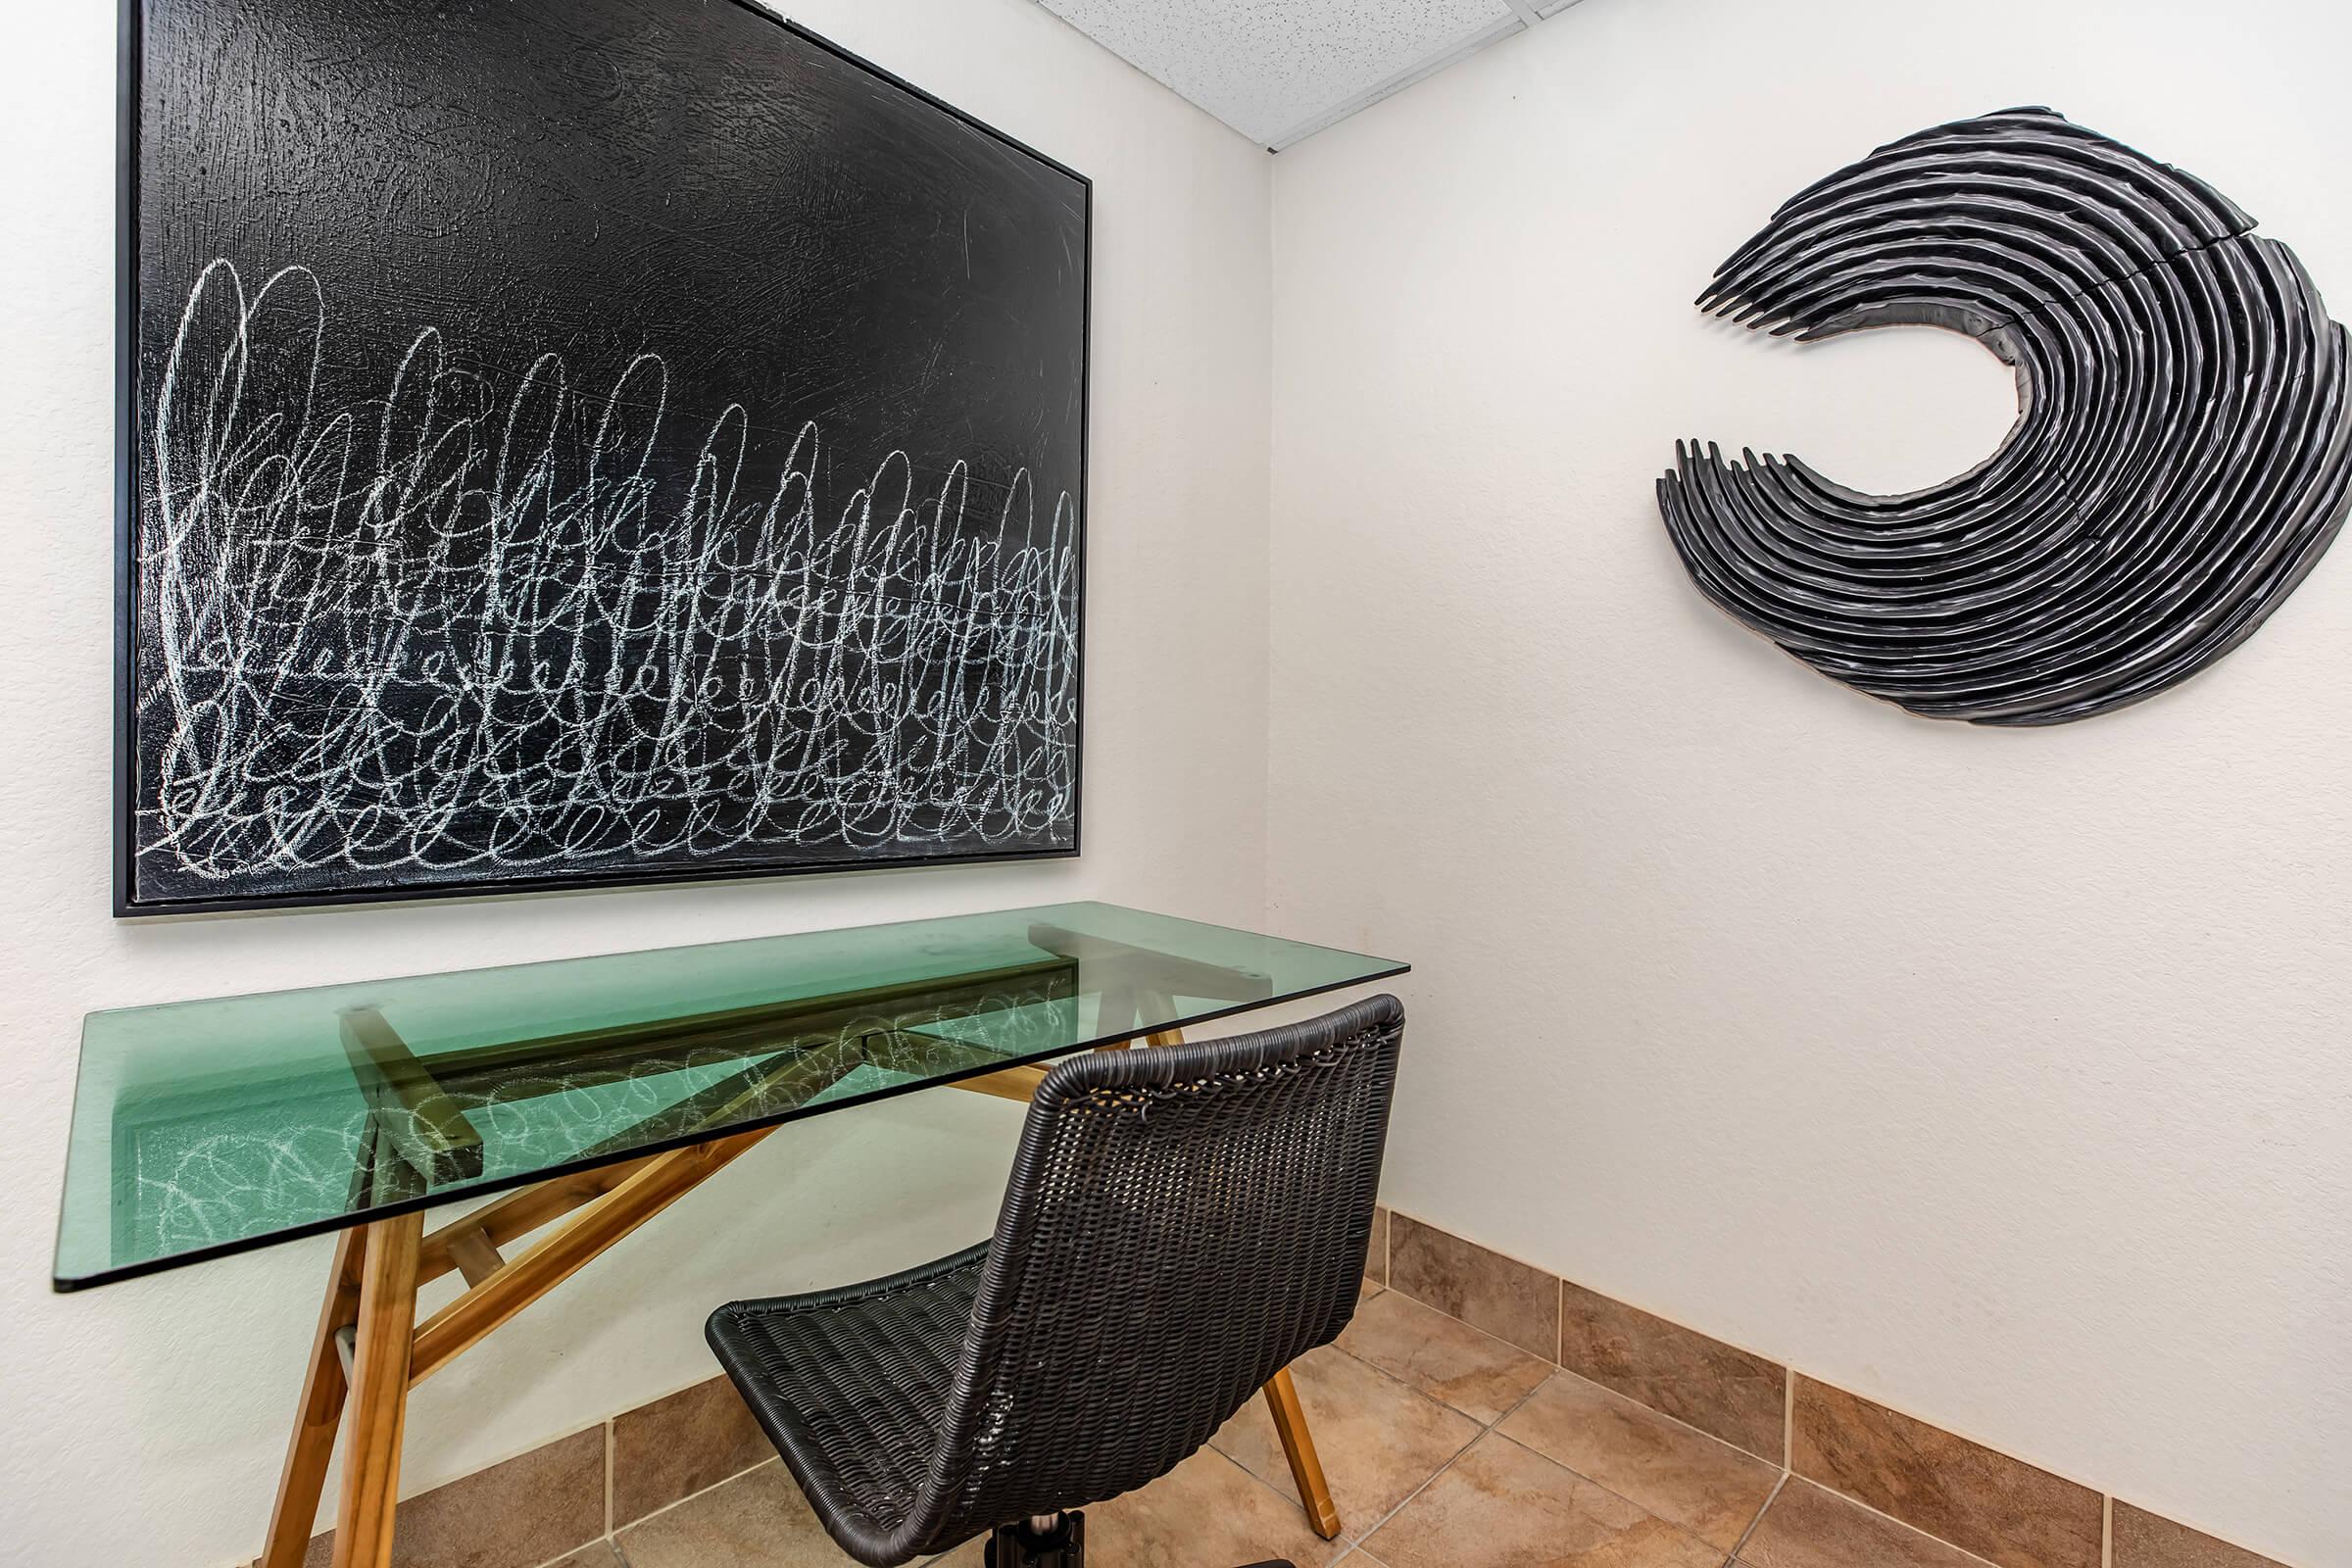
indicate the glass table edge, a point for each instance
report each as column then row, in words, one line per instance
column 62, row 1286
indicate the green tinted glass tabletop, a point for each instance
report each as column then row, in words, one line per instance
column 202, row 1128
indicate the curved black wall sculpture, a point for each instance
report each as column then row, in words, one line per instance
column 2181, row 457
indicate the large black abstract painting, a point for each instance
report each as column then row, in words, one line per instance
column 2181, row 457
column 582, row 441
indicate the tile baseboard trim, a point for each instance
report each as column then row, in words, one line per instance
column 1664, row 1365
column 2171, row 1544
column 460, row 1492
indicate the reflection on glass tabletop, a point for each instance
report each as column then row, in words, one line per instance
column 202, row 1128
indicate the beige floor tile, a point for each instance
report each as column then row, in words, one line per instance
column 758, row 1520
column 1677, row 1472
column 1443, row 1357
column 676, row 1447
column 599, row 1555
column 1378, row 1440
column 1208, row 1512
column 766, row 1506
column 1809, row 1527
column 1502, row 1505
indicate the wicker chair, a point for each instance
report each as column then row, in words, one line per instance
column 1181, row 1224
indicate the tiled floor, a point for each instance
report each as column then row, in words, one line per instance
column 1445, row 1449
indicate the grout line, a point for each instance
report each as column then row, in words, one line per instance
column 1789, row 1418
column 609, row 1444
column 1489, row 1430
column 1790, row 1367
column 1356, row 1539
column 1671, row 1420
column 1494, row 1429
column 691, row 1496
column 1741, row 1546
column 1497, row 1430
column 1603, row 1486
column 1565, row 1281
column 1788, row 1410
column 1353, row 1539
column 1960, row 1552
column 1996, row 1450
column 1515, row 1405
column 563, row 1558
column 1561, row 1367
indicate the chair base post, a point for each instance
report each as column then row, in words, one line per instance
column 1025, row 1546
column 1060, row 1543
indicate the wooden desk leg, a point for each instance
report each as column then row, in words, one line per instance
column 371, row 1318
column 321, row 1412
column 379, row 1392
column 1290, row 1425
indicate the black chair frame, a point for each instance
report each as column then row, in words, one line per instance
column 1181, row 1223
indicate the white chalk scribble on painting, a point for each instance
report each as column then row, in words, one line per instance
column 462, row 630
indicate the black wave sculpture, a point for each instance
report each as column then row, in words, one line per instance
column 2181, row 457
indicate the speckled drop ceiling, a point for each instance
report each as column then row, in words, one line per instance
column 1279, row 70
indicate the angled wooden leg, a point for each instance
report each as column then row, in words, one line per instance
column 321, row 1410
column 516, row 1284
column 1006, row 1083
column 1297, row 1447
column 1160, row 1001
column 379, row 1392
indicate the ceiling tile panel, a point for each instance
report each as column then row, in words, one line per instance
column 1275, row 69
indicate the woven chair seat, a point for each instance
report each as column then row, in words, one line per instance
column 851, row 1385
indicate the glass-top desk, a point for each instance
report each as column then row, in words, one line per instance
column 202, row 1128
column 594, row 1092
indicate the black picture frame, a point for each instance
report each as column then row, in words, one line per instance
column 126, row 903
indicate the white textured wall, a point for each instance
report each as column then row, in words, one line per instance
column 2002, row 1076
column 144, row 1420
